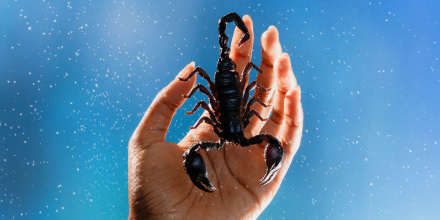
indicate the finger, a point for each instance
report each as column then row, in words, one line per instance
column 270, row 51
column 156, row 121
column 292, row 129
column 285, row 81
column 242, row 55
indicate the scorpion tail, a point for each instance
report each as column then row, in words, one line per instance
column 195, row 168
column 223, row 38
column 274, row 158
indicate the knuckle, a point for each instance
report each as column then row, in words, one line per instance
column 170, row 105
column 267, row 62
column 283, row 89
column 277, row 118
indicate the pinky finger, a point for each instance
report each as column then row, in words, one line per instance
column 292, row 127
column 293, row 123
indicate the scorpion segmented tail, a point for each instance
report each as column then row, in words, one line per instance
column 223, row 38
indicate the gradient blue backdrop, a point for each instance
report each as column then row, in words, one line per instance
column 77, row 76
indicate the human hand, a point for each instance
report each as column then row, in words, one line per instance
column 159, row 188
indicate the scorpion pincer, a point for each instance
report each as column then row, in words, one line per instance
column 230, row 113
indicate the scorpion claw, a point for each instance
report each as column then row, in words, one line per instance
column 274, row 158
column 195, row 168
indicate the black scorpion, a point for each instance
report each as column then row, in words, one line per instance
column 230, row 112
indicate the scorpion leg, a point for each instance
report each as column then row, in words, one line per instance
column 251, row 102
column 203, row 74
column 249, row 116
column 246, row 71
column 195, row 165
column 208, row 121
column 206, row 107
column 205, row 91
column 273, row 155
column 250, row 87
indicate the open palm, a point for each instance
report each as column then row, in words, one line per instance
column 159, row 187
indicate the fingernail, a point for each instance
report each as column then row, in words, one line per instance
column 270, row 41
column 272, row 27
column 283, row 62
column 182, row 73
column 298, row 88
column 286, row 60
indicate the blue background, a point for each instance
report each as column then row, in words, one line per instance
column 76, row 78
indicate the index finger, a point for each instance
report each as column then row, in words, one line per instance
column 156, row 121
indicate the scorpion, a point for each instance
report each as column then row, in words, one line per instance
column 230, row 112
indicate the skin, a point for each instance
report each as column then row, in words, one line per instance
column 159, row 187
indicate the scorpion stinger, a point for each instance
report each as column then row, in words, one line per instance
column 230, row 112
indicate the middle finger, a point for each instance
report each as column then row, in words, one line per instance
column 270, row 51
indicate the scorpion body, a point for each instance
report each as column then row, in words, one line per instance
column 230, row 112
column 230, row 104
